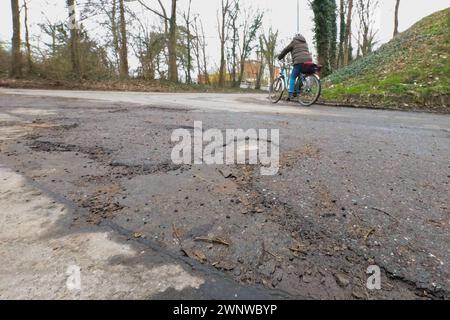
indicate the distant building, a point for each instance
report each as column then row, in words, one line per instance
column 276, row 73
column 249, row 77
column 251, row 71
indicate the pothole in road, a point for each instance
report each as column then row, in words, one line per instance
column 148, row 167
column 95, row 153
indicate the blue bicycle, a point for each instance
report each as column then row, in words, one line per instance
column 307, row 87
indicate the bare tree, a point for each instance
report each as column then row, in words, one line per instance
column 170, row 26
column 205, row 59
column 173, row 68
column 262, row 63
column 188, row 22
column 222, row 24
column 74, row 39
column 269, row 44
column 147, row 42
column 366, row 16
column 123, row 42
column 109, row 9
column 196, row 47
column 233, row 25
column 348, row 34
column 342, row 27
column 27, row 38
column 115, row 32
column 397, row 7
column 50, row 29
column 16, row 63
column 252, row 24
column 199, row 47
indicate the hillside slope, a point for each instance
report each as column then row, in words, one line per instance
column 410, row 72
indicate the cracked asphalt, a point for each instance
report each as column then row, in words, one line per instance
column 356, row 187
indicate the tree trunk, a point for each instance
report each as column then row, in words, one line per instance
column 225, row 8
column 197, row 58
column 222, row 62
column 189, row 45
column 325, row 30
column 161, row 73
column 205, row 63
column 268, row 48
column 173, row 68
column 241, row 72
column 124, row 43
column 189, row 59
column 348, row 34
column 16, row 63
column 261, row 66
column 397, row 6
column 196, row 46
column 27, row 40
column 250, row 28
column 342, row 27
column 365, row 46
column 234, row 14
column 332, row 18
column 234, row 53
column 74, row 39
column 358, row 51
column 260, row 75
column 115, row 33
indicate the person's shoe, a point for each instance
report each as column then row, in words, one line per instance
column 291, row 97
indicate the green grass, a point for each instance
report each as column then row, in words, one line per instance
column 411, row 71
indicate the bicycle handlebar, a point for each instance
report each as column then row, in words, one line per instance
column 284, row 64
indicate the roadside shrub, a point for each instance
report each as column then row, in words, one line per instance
column 4, row 61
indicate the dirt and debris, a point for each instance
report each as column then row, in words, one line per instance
column 311, row 230
column 94, row 153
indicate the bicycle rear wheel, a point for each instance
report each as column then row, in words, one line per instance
column 276, row 90
column 310, row 90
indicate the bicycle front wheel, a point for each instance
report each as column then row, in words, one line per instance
column 310, row 90
column 276, row 90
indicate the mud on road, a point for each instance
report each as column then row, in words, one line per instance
column 351, row 192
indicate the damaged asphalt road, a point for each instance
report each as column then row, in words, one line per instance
column 355, row 188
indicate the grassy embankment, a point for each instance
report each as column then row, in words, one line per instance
column 410, row 72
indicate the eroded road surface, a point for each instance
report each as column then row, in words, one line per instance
column 88, row 181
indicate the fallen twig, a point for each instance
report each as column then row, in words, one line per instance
column 371, row 231
column 176, row 234
column 298, row 248
column 386, row 213
column 273, row 255
column 212, row 240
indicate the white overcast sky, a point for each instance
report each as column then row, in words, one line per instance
column 279, row 14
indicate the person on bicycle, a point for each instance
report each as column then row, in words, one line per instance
column 300, row 55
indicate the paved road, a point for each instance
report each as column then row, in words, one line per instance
column 356, row 187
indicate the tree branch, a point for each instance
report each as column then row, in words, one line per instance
column 163, row 16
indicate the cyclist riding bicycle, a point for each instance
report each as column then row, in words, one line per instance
column 300, row 55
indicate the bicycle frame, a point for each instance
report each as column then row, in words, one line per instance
column 302, row 86
column 284, row 71
column 285, row 74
